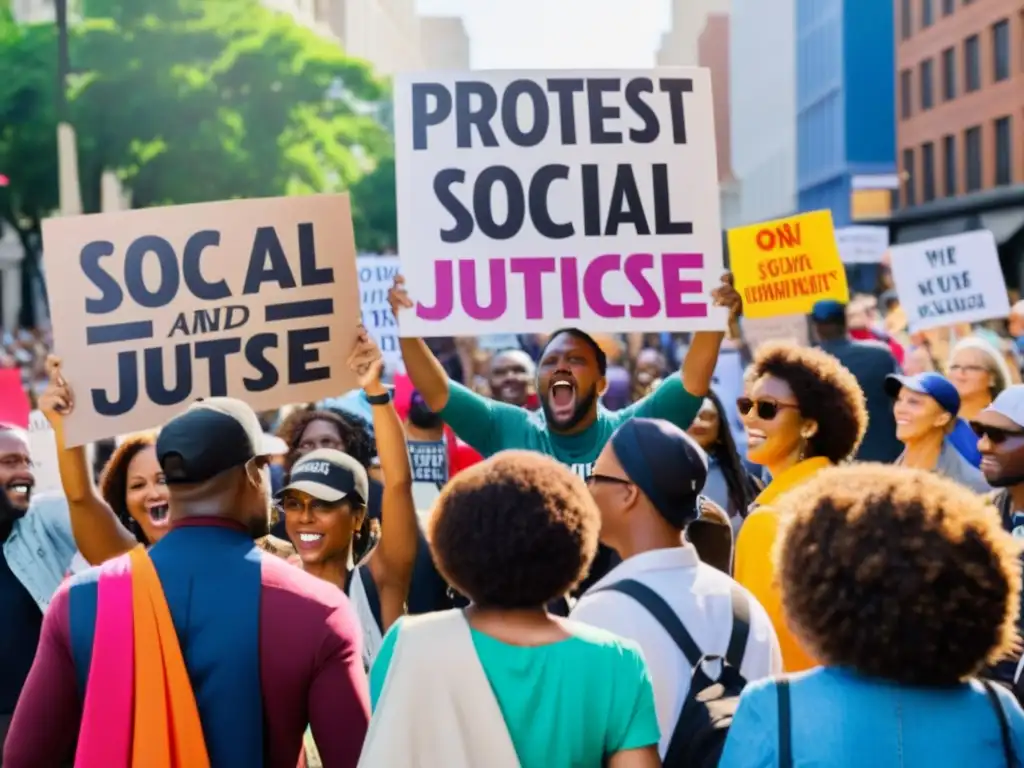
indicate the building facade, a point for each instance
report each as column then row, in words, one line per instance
column 845, row 117
column 444, row 42
column 679, row 46
column 713, row 53
column 762, row 91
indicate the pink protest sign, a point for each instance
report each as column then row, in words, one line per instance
column 14, row 403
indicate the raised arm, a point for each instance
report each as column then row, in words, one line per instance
column 392, row 562
column 97, row 531
column 425, row 371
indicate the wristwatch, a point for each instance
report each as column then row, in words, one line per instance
column 382, row 399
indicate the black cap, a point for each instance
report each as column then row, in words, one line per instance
column 665, row 463
column 329, row 475
column 212, row 436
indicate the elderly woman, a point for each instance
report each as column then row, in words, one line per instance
column 905, row 585
column 978, row 372
column 802, row 412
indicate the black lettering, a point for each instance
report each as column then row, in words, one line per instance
column 127, row 385
column 180, row 325
column 663, row 224
column 153, row 371
column 255, row 354
column 300, row 355
column 675, row 88
column 649, row 133
column 194, row 280
column 229, row 317
column 482, row 192
column 423, row 115
column 169, row 278
column 266, row 243
column 566, row 90
column 591, row 200
column 510, row 113
column 626, row 207
column 309, row 272
column 463, row 227
column 599, row 111
column 216, row 352
column 540, row 193
column 466, row 117
column 112, row 295
column 926, row 288
column 206, row 321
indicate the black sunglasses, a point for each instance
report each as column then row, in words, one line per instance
column 996, row 435
column 766, row 409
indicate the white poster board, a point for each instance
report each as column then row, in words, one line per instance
column 42, row 442
column 532, row 200
column 950, row 280
column 376, row 275
column 862, row 244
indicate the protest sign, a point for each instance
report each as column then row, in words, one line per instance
column 376, row 275
column 14, row 404
column 429, row 461
column 42, row 442
column 950, row 280
column 531, row 200
column 789, row 328
column 783, row 267
column 862, row 244
column 154, row 308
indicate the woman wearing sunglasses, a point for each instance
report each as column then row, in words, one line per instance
column 802, row 412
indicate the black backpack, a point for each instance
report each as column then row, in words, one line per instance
column 703, row 724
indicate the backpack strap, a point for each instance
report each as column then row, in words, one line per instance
column 785, row 724
column 663, row 614
column 1004, row 727
column 740, row 626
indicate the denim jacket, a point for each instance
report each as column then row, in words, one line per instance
column 41, row 548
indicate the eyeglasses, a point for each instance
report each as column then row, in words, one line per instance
column 766, row 409
column 957, row 368
column 292, row 505
column 597, row 477
column 996, row 435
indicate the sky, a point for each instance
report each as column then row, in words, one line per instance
column 558, row 34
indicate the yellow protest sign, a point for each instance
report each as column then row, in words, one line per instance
column 783, row 267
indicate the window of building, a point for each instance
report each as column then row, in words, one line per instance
column 972, row 65
column 1004, row 151
column 927, row 172
column 949, row 74
column 926, row 13
column 909, row 196
column 927, row 94
column 949, row 167
column 906, row 107
column 972, row 152
column 947, row 7
column 906, row 23
column 1001, row 50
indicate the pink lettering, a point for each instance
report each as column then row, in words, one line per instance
column 593, row 290
column 532, row 271
column 444, row 284
column 471, row 297
column 671, row 265
column 650, row 304
column 570, row 294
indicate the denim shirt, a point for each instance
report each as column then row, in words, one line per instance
column 41, row 548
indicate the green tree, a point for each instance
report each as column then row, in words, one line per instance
column 374, row 213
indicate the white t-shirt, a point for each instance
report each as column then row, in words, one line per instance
column 701, row 598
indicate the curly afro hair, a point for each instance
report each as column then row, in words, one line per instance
column 825, row 390
column 113, row 484
column 515, row 531
column 355, row 433
column 899, row 574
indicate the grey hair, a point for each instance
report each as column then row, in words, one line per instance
column 1000, row 369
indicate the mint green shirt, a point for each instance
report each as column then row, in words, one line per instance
column 570, row 703
column 490, row 426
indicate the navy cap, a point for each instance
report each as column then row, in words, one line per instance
column 330, row 476
column 828, row 311
column 665, row 463
column 212, row 436
column 935, row 385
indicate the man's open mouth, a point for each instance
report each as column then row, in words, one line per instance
column 562, row 399
column 19, row 490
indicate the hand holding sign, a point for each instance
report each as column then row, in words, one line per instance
column 367, row 362
column 726, row 295
column 57, row 400
column 398, row 296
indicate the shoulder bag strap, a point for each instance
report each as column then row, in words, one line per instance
column 662, row 612
column 740, row 626
column 372, row 596
column 785, row 725
column 1004, row 726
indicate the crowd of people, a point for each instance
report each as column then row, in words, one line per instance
column 577, row 550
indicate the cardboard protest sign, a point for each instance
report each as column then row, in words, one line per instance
column 862, row 244
column 783, row 267
column 950, row 280
column 376, row 274
column 154, row 308
column 42, row 443
column 788, row 328
column 533, row 200
column 14, row 404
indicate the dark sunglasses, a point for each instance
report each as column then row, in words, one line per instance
column 766, row 409
column 996, row 435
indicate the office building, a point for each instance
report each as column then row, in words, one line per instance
column 444, row 42
column 679, row 46
column 713, row 53
column 845, row 131
column 762, row 93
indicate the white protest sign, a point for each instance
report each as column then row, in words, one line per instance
column 950, row 280
column 42, row 443
column 154, row 308
column 789, row 328
column 376, row 274
column 862, row 244
column 533, row 200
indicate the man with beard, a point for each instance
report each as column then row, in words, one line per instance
column 509, row 376
column 36, row 550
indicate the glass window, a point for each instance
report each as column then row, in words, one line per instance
column 926, row 13
column 927, row 172
column 927, row 94
column 1001, row 50
column 949, row 74
column 972, row 65
column 909, row 196
column 905, row 94
column 1004, row 151
column 947, row 7
column 906, row 25
column 972, row 150
column 949, row 168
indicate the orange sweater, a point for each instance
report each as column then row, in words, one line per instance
column 754, row 567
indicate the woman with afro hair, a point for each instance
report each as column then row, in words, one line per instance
column 905, row 585
column 802, row 412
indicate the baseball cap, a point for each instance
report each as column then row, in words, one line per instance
column 665, row 463
column 212, row 436
column 1010, row 403
column 828, row 311
column 935, row 385
column 329, row 475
